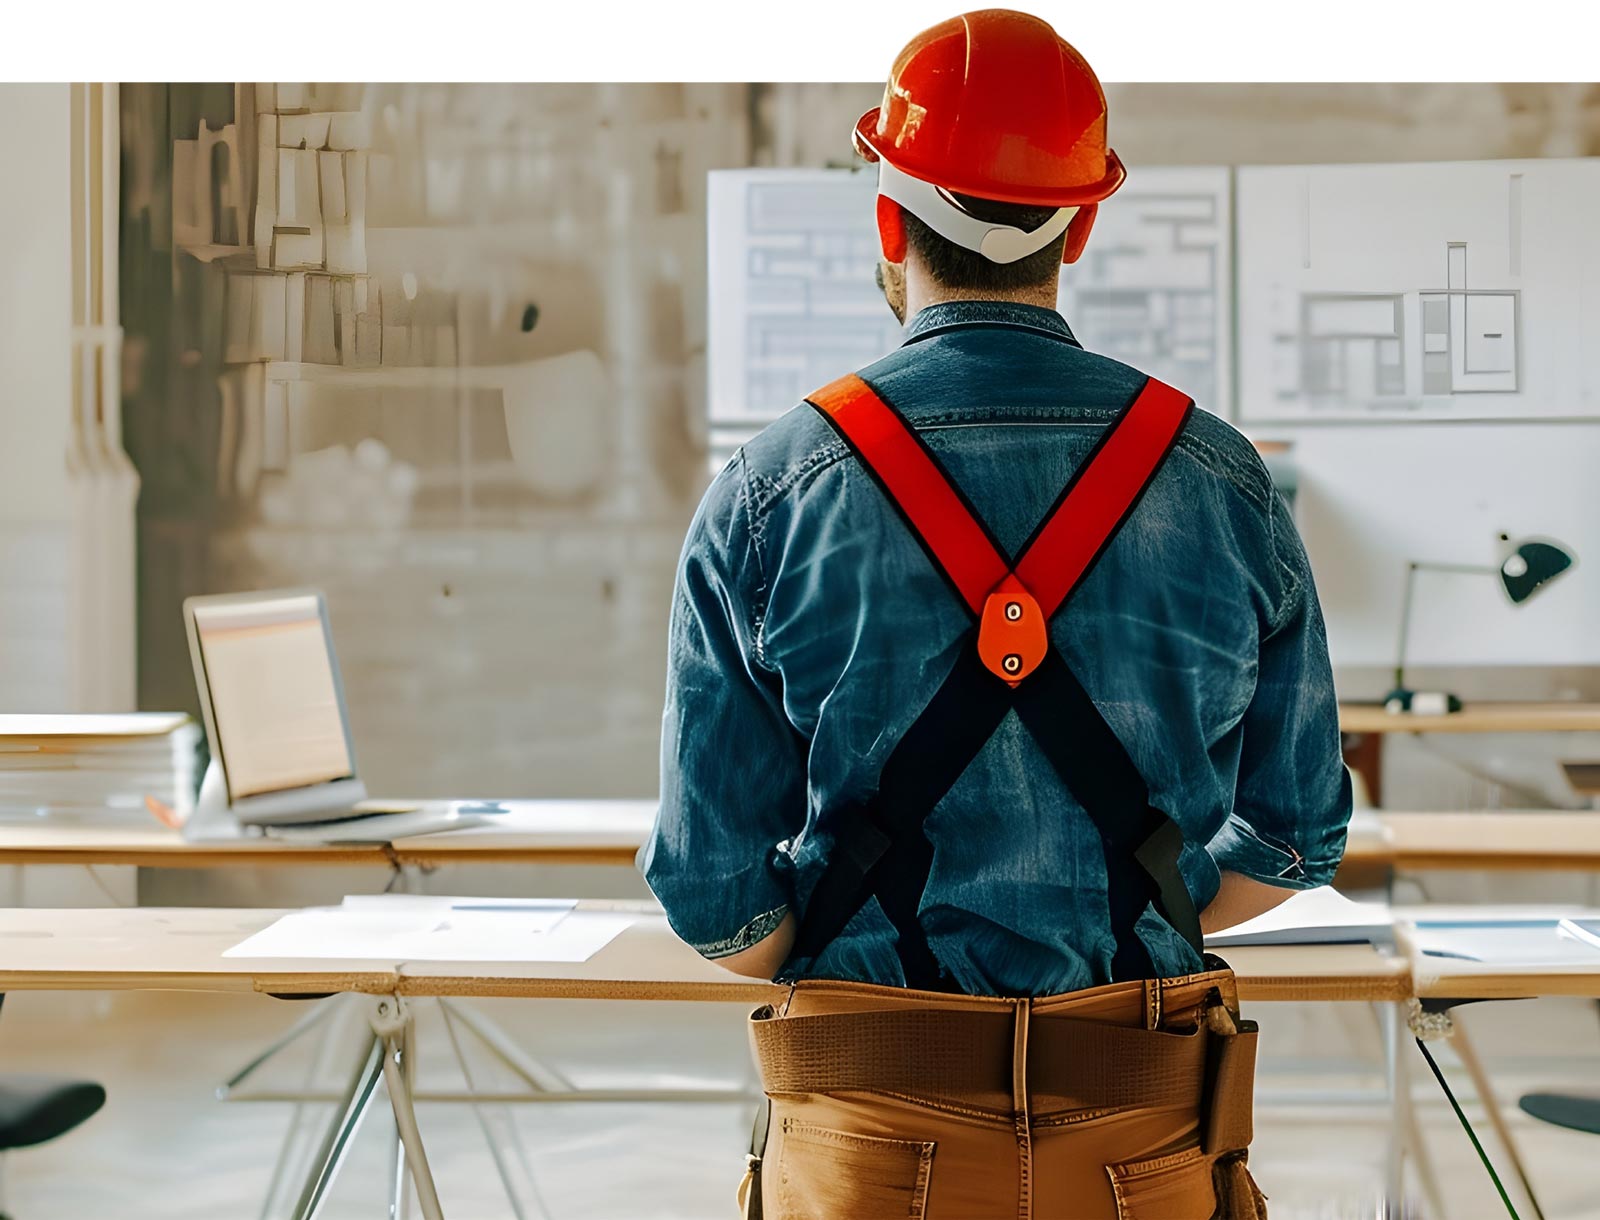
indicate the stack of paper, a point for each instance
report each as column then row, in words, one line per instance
column 97, row 766
column 1320, row 916
column 406, row 928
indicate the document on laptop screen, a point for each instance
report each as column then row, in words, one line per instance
column 273, row 696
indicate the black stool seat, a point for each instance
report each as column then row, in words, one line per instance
column 1571, row 1110
column 34, row 1109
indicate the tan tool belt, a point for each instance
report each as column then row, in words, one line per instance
column 1107, row 1048
column 957, row 1054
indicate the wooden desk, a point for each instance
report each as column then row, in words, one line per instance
column 1508, row 840
column 180, row 949
column 156, row 846
column 1300, row 973
column 1485, row 717
column 533, row 832
column 162, row 949
column 541, row 832
column 1367, row 723
column 1502, row 841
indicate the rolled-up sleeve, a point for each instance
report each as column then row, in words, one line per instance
column 733, row 768
column 1292, row 803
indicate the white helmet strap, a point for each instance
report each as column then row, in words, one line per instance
column 934, row 206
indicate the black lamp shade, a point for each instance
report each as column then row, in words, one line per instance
column 1530, row 567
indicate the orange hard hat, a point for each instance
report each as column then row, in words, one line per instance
column 997, row 105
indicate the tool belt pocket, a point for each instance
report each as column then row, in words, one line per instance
column 821, row 1171
column 1229, row 1098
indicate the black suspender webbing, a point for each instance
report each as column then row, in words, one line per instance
column 1004, row 663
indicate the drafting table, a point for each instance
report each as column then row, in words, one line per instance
column 182, row 948
column 1367, row 723
column 530, row 832
column 1499, row 976
column 1443, row 983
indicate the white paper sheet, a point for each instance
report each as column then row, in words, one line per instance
column 410, row 928
column 1493, row 941
column 1318, row 916
column 327, row 932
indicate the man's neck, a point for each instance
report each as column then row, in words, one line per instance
column 922, row 292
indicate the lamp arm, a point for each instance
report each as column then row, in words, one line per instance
column 1474, row 568
column 1412, row 568
column 1405, row 626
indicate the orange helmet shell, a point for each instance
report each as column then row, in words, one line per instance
column 995, row 104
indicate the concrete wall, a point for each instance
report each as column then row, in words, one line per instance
column 35, row 394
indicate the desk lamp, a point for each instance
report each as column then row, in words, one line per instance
column 1529, row 565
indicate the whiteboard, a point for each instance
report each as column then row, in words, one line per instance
column 1453, row 290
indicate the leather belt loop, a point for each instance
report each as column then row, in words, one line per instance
column 1020, row 1116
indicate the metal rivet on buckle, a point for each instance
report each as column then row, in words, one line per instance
column 1013, row 663
column 1013, row 611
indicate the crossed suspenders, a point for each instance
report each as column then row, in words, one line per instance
column 1005, row 663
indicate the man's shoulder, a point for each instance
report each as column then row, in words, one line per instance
column 925, row 381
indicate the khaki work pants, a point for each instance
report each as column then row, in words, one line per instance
column 1125, row 1102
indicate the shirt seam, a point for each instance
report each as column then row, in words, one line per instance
column 755, row 528
column 1291, row 578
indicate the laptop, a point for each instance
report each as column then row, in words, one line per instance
column 275, row 716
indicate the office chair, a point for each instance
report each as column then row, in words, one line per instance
column 1570, row 1110
column 35, row 1109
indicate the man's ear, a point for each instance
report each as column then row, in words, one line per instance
column 1078, row 232
column 891, row 230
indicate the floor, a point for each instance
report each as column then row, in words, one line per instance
column 165, row 1148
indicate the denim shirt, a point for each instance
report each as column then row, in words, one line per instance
column 809, row 629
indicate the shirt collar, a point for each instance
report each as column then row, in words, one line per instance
column 951, row 315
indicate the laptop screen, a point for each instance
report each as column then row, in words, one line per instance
column 274, row 696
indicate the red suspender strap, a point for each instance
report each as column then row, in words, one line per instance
column 1101, row 495
column 914, row 483
column 1064, row 547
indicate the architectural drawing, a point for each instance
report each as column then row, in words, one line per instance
column 792, row 299
column 1427, row 291
column 1153, row 288
column 793, row 302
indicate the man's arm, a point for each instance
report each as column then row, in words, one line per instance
column 1292, row 802
column 733, row 770
column 1240, row 898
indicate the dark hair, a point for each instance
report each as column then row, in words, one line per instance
column 957, row 267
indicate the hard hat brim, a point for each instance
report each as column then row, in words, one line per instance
column 1079, row 194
